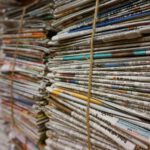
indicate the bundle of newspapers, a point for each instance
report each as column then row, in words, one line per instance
column 120, row 102
column 24, row 44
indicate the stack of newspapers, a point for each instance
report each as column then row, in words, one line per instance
column 120, row 102
column 25, row 54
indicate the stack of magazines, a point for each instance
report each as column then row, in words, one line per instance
column 22, row 71
column 120, row 102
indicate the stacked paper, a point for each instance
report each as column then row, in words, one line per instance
column 120, row 103
column 22, row 98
